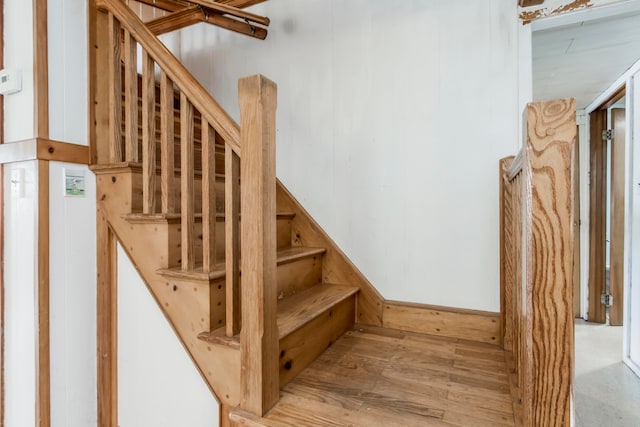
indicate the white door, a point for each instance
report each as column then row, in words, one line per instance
column 632, row 325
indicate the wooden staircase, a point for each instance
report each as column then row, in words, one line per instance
column 255, row 290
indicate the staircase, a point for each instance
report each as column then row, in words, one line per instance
column 229, row 255
column 281, row 325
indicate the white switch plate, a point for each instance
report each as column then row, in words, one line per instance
column 10, row 81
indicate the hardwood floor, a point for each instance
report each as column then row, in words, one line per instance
column 383, row 377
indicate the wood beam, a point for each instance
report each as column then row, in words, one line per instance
column 527, row 3
column 40, row 69
column 241, row 4
column 176, row 20
column 237, row 26
column 212, row 6
column 43, row 362
column 107, row 322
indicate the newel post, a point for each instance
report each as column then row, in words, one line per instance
column 548, row 169
column 259, row 335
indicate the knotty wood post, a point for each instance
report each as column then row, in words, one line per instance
column 259, row 383
column 548, row 374
column 506, row 255
column 107, row 323
column 115, row 91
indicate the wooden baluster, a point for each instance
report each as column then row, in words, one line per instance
column 148, row 135
column 130, row 98
column 232, row 240
column 115, row 92
column 167, row 144
column 259, row 386
column 208, row 196
column 187, row 182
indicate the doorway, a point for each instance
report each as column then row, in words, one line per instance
column 607, row 148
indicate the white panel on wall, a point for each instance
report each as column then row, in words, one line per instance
column 68, row 96
column 392, row 117
column 158, row 384
column 20, row 216
column 18, row 54
column 72, row 299
column 632, row 319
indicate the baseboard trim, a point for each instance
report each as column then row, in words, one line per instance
column 451, row 322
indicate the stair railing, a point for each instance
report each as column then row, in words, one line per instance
column 536, row 204
column 255, row 140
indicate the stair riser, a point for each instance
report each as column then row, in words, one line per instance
column 137, row 194
column 283, row 226
column 301, row 274
column 303, row 346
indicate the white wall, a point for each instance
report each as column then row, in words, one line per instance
column 68, row 96
column 18, row 55
column 72, row 300
column 632, row 294
column 20, row 260
column 158, row 384
column 392, row 117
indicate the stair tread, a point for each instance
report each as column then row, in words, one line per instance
column 293, row 312
column 175, row 217
column 304, row 306
column 284, row 256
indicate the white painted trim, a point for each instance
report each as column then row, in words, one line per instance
column 589, row 14
column 613, row 88
column 628, row 210
column 635, row 368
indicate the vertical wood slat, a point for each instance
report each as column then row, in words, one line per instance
column 208, row 196
column 517, row 305
column 130, row 98
column 506, row 256
column 43, row 361
column 617, row 228
column 548, row 374
column 167, row 144
column 187, row 183
column 115, row 92
column 40, row 69
column 148, row 135
column 232, row 241
column 259, row 383
column 107, row 339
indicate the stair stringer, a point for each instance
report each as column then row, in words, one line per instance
column 146, row 246
column 336, row 266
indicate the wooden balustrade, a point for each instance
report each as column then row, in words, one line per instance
column 257, row 237
column 537, row 264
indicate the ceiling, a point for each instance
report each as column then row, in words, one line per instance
column 582, row 59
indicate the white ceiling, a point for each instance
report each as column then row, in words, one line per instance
column 581, row 60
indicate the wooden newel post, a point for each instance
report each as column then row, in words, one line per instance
column 548, row 169
column 259, row 335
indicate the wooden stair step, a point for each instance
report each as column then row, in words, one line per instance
column 293, row 312
column 285, row 256
column 304, row 306
column 174, row 218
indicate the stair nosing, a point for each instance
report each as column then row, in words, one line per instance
column 349, row 292
column 172, row 218
column 219, row 270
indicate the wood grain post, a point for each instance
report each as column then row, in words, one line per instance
column 148, row 135
column 43, row 360
column 167, row 131
column 506, row 256
column 115, row 91
column 40, row 69
column 208, row 196
column 187, row 199
column 548, row 376
column 107, row 323
column 232, row 241
column 259, row 386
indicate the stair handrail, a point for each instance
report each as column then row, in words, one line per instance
column 536, row 275
column 215, row 115
column 251, row 309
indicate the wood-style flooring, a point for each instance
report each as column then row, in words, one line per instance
column 382, row 377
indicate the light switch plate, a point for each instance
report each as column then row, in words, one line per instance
column 10, row 81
